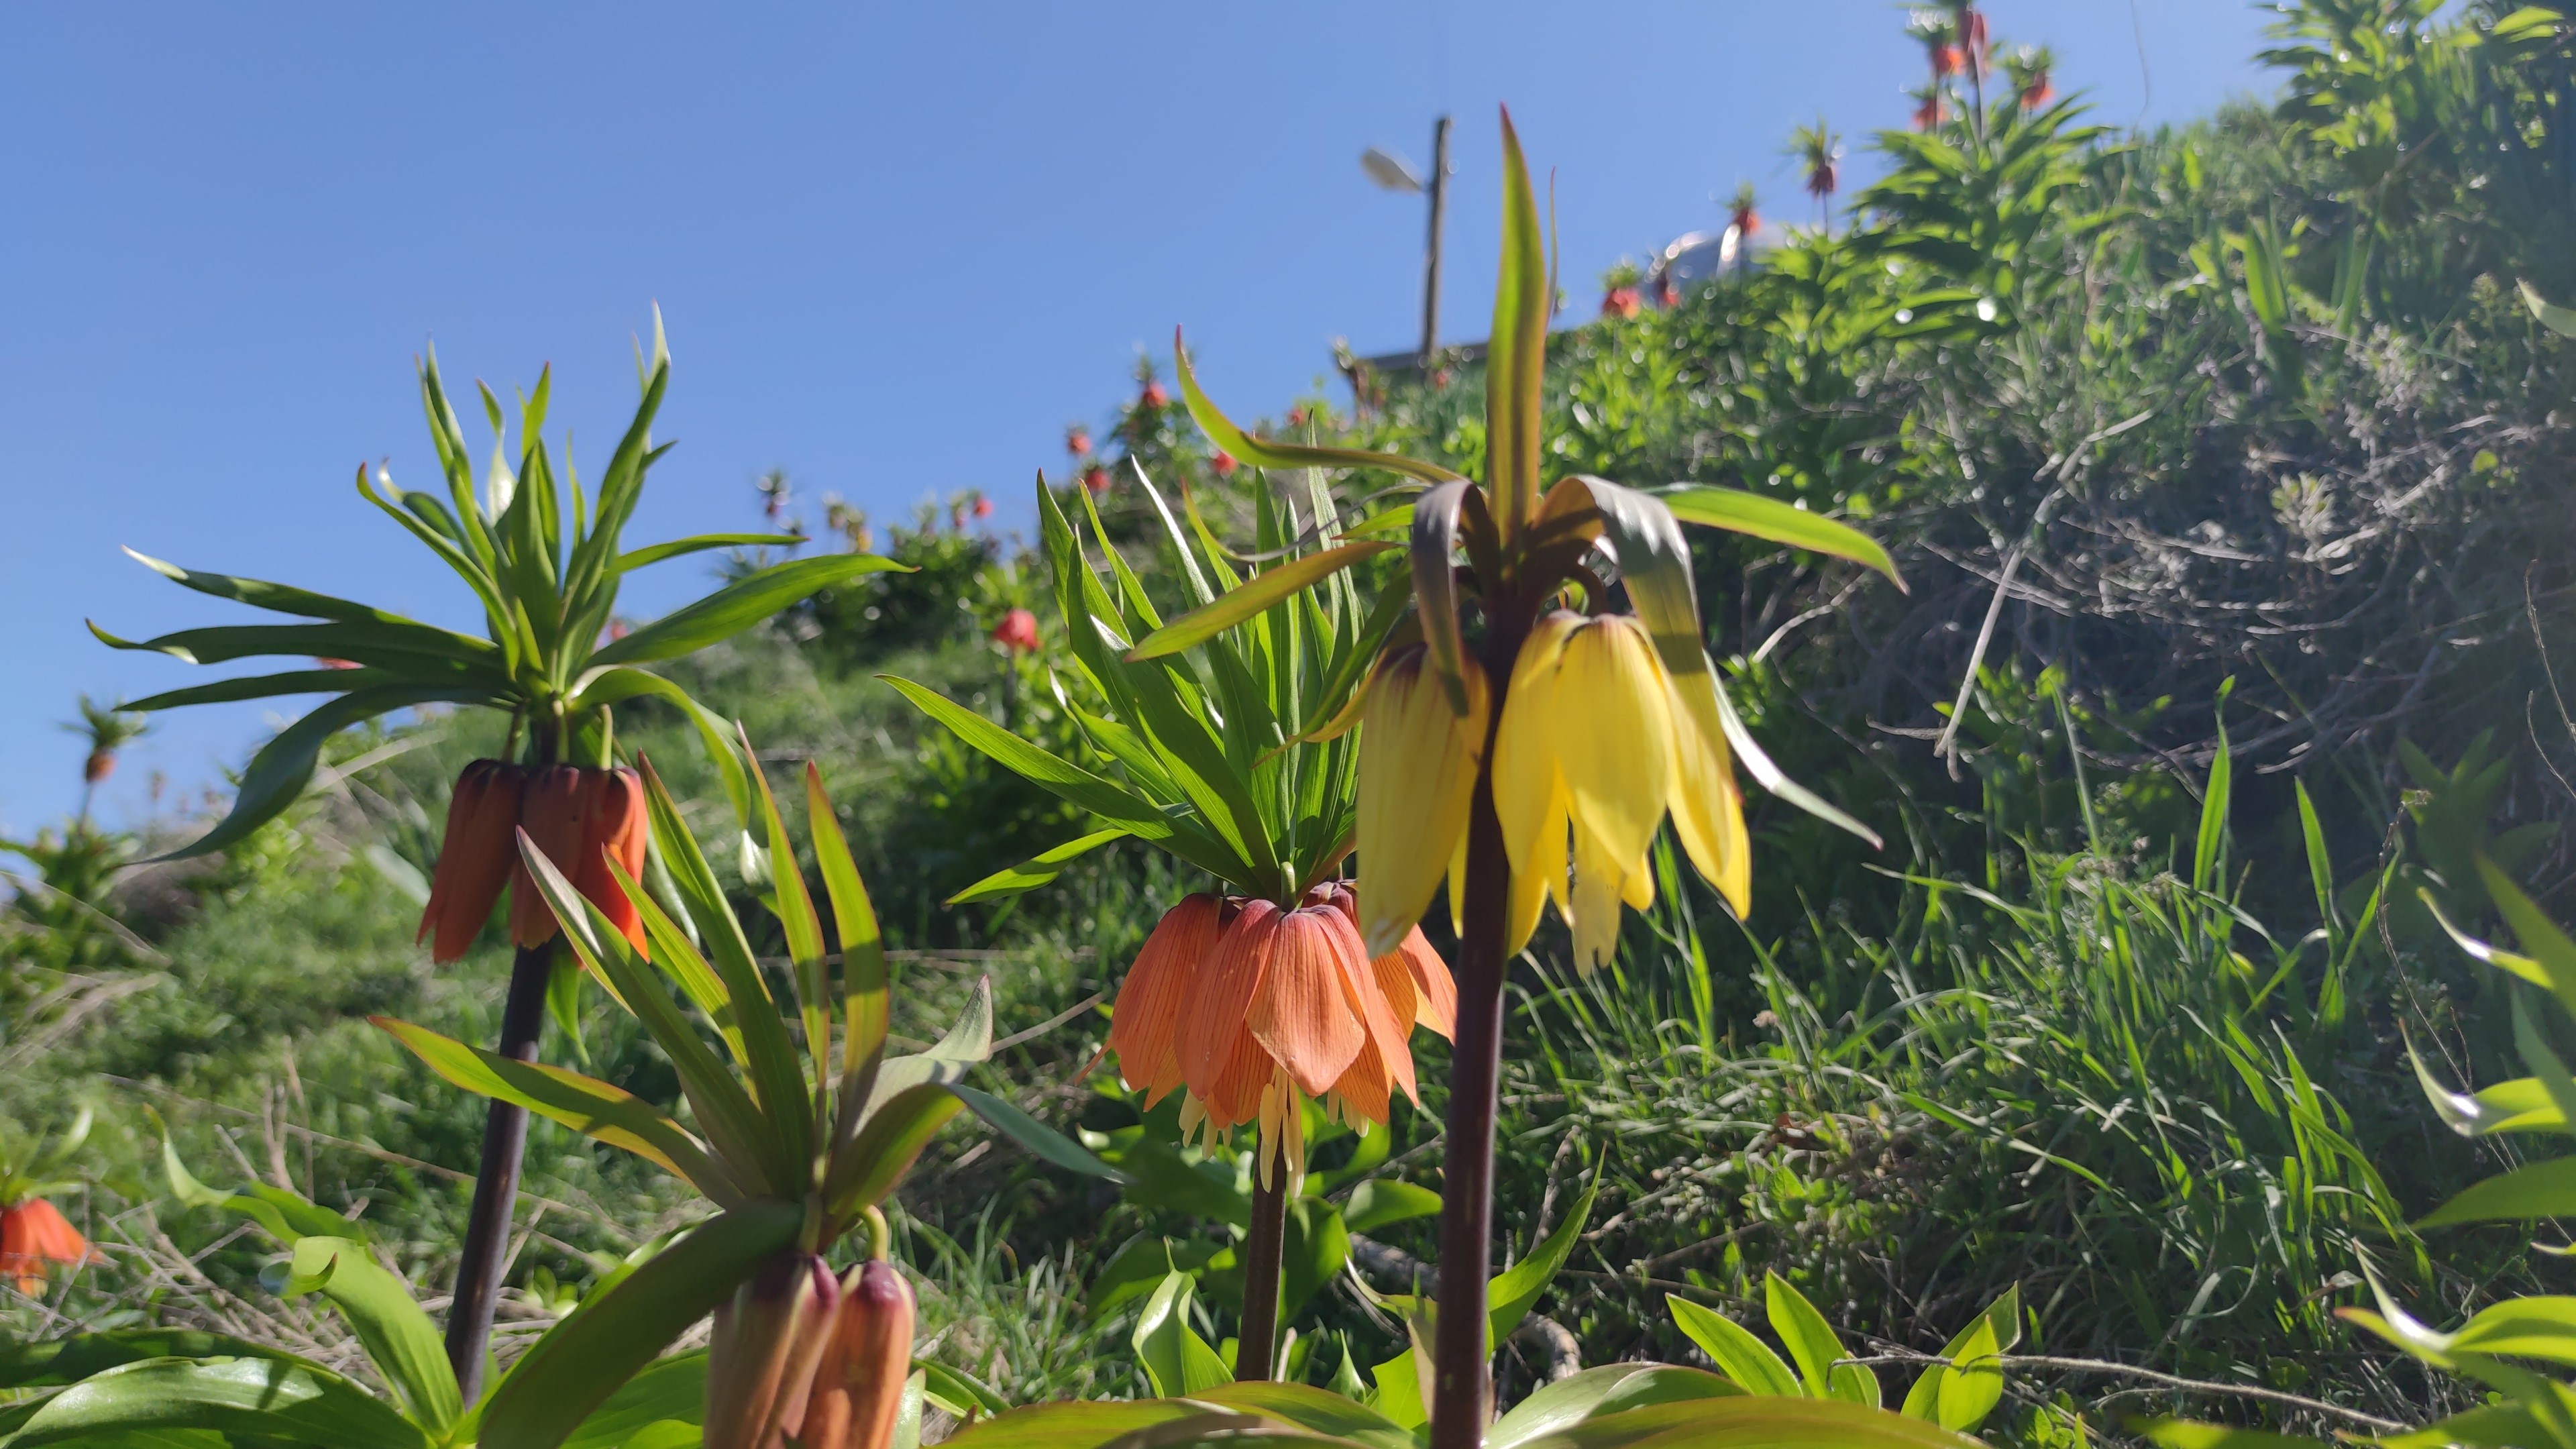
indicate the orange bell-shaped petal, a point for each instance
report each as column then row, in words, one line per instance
column 551, row 812
column 1145, row 1030
column 474, row 857
column 34, row 1235
column 1436, row 995
column 1305, row 1012
column 613, row 827
column 1221, row 999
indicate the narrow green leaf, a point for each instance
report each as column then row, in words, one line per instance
column 413, row 650
column 55, row 1362
column 593, row 1108
column 1516, row 1289
column 794, row 907
column 281, row 769
column 653, row 553
column 863, row 1173
column 1264, row 453
column 854, row 922
column 1070, row 781
column 2560, row 320
column 602, row 688
column 263, row 686
column 2185, row 1434
column 1261, row 592
column 737, row 606
column 284, row 1216
column 570, row 1372
column 1039, row 869
column 1751, row 514
column 1042, row 1141
column 1748, row 1421
column 1516, row 355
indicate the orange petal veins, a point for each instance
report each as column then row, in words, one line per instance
column 1303, row 1014
column 1222, row 996
column 1145, row 1031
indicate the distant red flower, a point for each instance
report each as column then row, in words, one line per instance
column 1224, row 464
column 1296, row 417
column 1077, row 440
column 1948, row 60
column 983, row 506
column 1747, row 221
column 1018, row 631
column 34, row 1235
column 1619, row 302
column 2038, row 93
column 1440, row 377
column 1666, row 294
column 1153, row 396
column 1096, row 478
column 1928, row 114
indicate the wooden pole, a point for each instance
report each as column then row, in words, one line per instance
column 1431, row 255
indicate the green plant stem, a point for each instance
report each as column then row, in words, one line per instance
column 1257, row 1347
column 496, row 1183
column 1459, row 1401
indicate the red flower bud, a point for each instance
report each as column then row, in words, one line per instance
column 766, row 1344
column 2038, row 93
column 475, row 857
column 1017, row 632
column 1224, row 464
column 99, row 765
column 34, row 1235
column 1096, row 478
column 1077, row 441
column 551, row 813
column 858, row 1388
column 612, row 827
column 1153, row 396
column 983, row 507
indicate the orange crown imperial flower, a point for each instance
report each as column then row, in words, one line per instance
column 579, row 817
column 1251, row 1008
column 34, row 1236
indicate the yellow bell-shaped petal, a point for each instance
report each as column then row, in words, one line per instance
column 1707, row 803
column 1418, row 763
column 1530, row 797
column 1612, row 713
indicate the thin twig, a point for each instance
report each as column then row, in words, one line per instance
column 2171, row 1381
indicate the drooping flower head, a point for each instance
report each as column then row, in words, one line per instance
column 1250, row 1009
column 581, row 818
column 34, row 1238
column 1592, row 749
column 1621, row 302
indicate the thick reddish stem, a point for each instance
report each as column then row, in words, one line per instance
column 1256, row 1349
column 1461, row 1402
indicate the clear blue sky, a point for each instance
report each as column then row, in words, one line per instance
column 898, row 249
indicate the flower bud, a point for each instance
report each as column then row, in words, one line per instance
column 613, row 827
column 766, row 1343
column 551, row 812
column 475, row 858
column 858, row 1390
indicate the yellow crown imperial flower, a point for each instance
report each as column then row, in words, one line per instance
column 1594, row 746
column 1418, row 763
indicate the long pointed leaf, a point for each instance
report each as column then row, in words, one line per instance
column 1264, row 453
column 739, row 605
column 1261, row 592
column 378, row 1306
column 1739, row 511
column 1516, row 357
column 279, row 772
